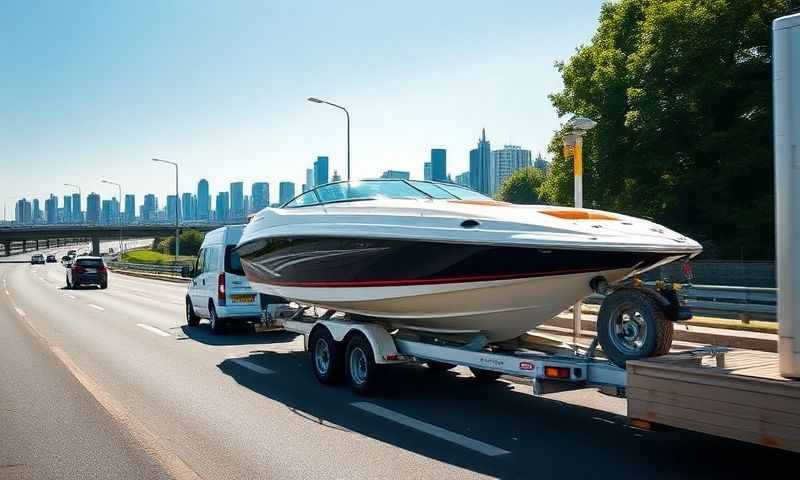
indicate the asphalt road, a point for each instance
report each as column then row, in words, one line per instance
column 113, row 384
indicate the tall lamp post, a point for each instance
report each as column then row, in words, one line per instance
column 119, row 212
column 177, row 215
column 317, row 100
column 574, row 141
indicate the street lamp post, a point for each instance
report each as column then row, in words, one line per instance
column 119, row 212
column 579, row 126
column 317, row 100
column 177, row 215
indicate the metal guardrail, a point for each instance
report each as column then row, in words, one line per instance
column 173, row 270
column 744, row 302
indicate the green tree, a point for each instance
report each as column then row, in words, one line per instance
column 681, row 91
column 522, row 187
column 191, row 240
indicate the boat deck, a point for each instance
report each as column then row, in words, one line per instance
column 737, row 394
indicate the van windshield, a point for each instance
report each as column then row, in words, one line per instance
column 233, row 264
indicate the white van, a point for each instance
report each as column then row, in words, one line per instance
column 218, row 290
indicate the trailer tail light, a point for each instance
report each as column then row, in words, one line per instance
column 556, row 372
column 221, row 289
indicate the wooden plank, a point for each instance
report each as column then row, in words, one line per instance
column 716, row 393
column 719, row 418
column 720, row 431
column 707, row 377
column 734, row 410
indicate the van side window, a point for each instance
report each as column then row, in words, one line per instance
column 212, row 258
column 199, row 263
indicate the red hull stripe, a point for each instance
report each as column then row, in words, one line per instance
column 424, row 281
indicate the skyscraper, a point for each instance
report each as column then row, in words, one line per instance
column 321, row 171
column 186, row 206
column 285, row 192
column 51, row 209
column 259, row 196
column 540, row 162
column 480, row 165
column 77, row 214
column 428, row 172
column 438, row 164
column 222, row 206
column 172, row 205
column 396, row 174
column 36, row 213
column 463, row 179
column 106, row 213
column 130, row 208
column 309, row 179
column 93, row 208
column 67, row 214
column 505, row 162
column 23, row 213
column 149, row 209
column 203, row 200
column 237, row 200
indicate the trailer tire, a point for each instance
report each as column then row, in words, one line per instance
column 326, row 356
column 435, row 366
column 363, row 374
column 632, row 325
column 483, row 376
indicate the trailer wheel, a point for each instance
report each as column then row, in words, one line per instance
column 632, row 325
column 482, row 375
column 360, row 367
column 439, row 366
column 326, row 356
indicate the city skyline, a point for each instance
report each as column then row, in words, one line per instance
column 408, row 90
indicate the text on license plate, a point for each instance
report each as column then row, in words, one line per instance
column 91, row 270
column 243, row 298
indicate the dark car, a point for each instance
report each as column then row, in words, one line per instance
column 51, row 259
column 38, row 258
column 87, row 271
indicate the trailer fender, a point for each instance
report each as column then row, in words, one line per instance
column 383, row 347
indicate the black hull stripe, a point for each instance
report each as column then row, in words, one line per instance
column 414, row 281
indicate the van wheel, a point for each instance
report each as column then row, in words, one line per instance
column 326, row 356
column 217, row 324
column 191, row 318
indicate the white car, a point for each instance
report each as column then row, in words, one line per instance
column 218, row 290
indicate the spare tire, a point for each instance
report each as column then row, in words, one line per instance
column 632, row 325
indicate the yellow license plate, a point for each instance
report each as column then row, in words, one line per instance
column 248, row 298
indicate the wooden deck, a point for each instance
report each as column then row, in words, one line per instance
column 738, row 394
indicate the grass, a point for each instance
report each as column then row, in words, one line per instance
column 148, row 256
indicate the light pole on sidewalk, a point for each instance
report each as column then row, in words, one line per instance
column 573, row 141
column 317, row 100
column 177, row 214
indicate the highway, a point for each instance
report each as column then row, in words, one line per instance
column 113, row 384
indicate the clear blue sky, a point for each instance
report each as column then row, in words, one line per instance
column 94, row 89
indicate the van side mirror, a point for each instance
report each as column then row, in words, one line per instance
column 187, row 272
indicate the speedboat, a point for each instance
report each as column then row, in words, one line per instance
column 444, row 259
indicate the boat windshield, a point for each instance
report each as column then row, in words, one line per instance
column 366, row 190
column 374, row 189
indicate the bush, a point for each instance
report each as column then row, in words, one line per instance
column 191, row 240
column 523, row 187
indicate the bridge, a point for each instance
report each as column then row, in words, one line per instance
column 22, row 236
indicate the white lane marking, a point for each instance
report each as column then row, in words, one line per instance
column 20, row 311
column 69, row 296
column 251, row 366
column 432, row 430
column 153, row 329
column 96, row 307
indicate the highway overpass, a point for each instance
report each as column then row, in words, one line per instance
column 23, row 235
